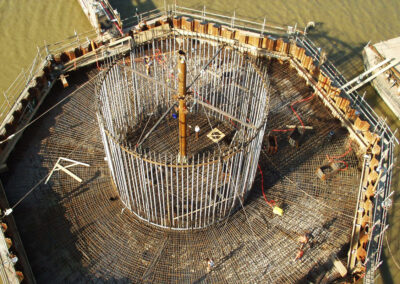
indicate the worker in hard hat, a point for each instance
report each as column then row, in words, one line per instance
column 210, row 264
column 303, row 240
column 147, row 62
column 197, row 130
column 299, row 255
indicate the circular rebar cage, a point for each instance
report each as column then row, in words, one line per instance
column 227, row 106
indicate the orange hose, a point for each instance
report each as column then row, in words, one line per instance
column 297, row 115
column 300, row 101
column 335, row 158
column 269, row 202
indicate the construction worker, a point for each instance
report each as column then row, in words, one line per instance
column 303, row 240
column 210, row 264
column 4, row 227
column 148, row 62
column 13, row 258
column 299, row 254
column 197, row 130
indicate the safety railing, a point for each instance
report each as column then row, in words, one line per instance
column 338, row 79
column 204, row 15
column 14, row 93
column 383, row 194
column 231, row 21
column 382, row 203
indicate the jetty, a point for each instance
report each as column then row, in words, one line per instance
column 386, row 83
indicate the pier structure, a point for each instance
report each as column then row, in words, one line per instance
column 312, row 124
column 103, row 17
column 386, row 83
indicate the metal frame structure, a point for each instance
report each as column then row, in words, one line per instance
column 231, row 93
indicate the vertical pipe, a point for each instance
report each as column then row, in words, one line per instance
column 228, row 173
column 160, row 191
column 135, row 184
column 141, row 186
column 153, row 188
column 225, row 81
column 144, row 187
column 197, row 190
column 216, row 187
column 182, row 107
column 211, row 188
column 206, row 203
column 172, row 194
column 125, row 157
column 192, row 190
column 201, row 192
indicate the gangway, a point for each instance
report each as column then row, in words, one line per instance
column 111, row 15
column 357, row 82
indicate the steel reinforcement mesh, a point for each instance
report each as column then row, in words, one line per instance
column 78, row 232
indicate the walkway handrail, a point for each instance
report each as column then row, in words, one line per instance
column 13, row 94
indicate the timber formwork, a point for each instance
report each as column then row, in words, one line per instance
column 79, row 232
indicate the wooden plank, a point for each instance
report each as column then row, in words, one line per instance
column 339, row 266
column 68, row 172
column 64, row 80
column 304, row 127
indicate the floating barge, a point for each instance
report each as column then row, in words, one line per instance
column 323, row 173
column 388, row 83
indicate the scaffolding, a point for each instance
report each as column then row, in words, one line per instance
column 198, row 181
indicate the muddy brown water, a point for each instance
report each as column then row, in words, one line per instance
column 342, row 29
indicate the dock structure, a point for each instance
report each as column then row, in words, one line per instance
column 315, row 205
column 102, row 16
column 387, row 84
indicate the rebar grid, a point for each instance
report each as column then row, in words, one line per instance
column 73, row 232
column 229, row 95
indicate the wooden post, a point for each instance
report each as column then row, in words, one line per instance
column 182, row 107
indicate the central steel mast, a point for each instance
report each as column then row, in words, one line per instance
column 182, row 107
